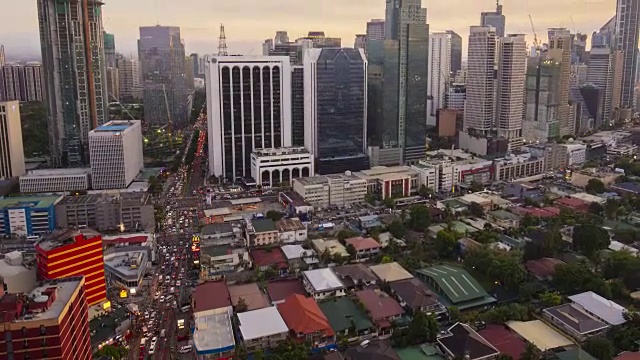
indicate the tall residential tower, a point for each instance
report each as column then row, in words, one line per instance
column 479, row 103
column 439, row 73
column 627, row 30
column 512, row 68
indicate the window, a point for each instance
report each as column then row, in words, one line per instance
column 43, row 330
column 25, row 343
column 44, row 342
column 24, row 331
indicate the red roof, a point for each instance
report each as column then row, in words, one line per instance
column 628, row 355
column 360, row 243
column 211, row 295
column 545, row 212
column 504, row 340
column 543, row 268
column 303, row 315
column 272, row 257
column 380, row 306
column 571, row 203
column 127, row 239
column 280, row 290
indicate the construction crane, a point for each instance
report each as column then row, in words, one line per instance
column 536, row 41
column 170, row 127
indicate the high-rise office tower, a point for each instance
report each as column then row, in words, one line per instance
column 297, row 105
column 606, row 35
column 512, row 66
column 11, row 149
column 406, row 22
column 21, row 82
column 188, row 73
column 479, row 102
column 116, row 154
column 605, row 72
column 249, row 107
column 161, row 54
column 129, row 78
column 375, row 29
column 113, row 84
column 578, row 47
column 335, row 84
column 626, row 40
column 110, row 50
column 267, row 46
column 542, row 99
column 195, row 60
column 74, row 75
column 495, row 19
column 281, row 38
column 439, row 73
column 360, row 41
column 456, row 52
column 2, row 56
column 560, row 51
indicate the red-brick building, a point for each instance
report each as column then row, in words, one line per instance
column 73, row 253
column 52, row 322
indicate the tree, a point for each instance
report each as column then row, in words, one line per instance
column 35, row 137
column 476, row 186
column 370, row 198
column 618, row 263
column 397, row 229
column 596, row 208
column 445, row 243
column 454, row 313
column 550, row 298
column 589, row 239
column 259, row 355
column 530, row 352
column 423, row 328
column 386, row 259
column 389, row 203
column 241, row 306
column 626, row 236
column 290, row 350
column 419, row 218
column 352, row 251
column 611, row 209
column 346, row 234
column 274, row 215
column 424, row 191
column 508, row 270
column 476, row 210
column 595, row 186
column 113, row 352
column 502, row 314
column 578, row 277
column 600, row 348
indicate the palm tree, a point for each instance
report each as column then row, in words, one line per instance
column 113, row 352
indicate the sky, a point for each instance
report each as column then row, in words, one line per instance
column 249, row 22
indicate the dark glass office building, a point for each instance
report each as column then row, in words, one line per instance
column 336, row 108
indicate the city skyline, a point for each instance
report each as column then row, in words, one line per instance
column 19, row 28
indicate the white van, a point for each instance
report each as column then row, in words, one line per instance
column 185, row 349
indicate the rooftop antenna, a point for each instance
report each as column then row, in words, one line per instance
column 222, row 42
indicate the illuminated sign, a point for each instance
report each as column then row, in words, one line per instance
column 123, row 293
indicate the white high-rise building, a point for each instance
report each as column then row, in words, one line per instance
column 11, row 149
column 439, row 73
column 248, row 107
column 115, row 151
column 479, row 102
column 512, row 68
column 129, row 78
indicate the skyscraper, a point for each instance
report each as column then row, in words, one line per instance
column 297, row 105
column 116, row 154
column 542, row 99
column 161, row 54
column 129, row 78
column 406, row 22
column 249, row 107
column 512, row 66
column 375, row 29
column 195, row 59
column 605, row 72
column 606, row 35
column 281, row 38
column 110, row 50
column 2, row 56
column 456, row 52
column 360, row 41
column 439, row 73
column 335, row 93
column 74, row 75
column 21, row 82
column 11, row 148
column 495, row 19
column 560, row 51
column 113, row 83
column 627, row 29
column 479, row 103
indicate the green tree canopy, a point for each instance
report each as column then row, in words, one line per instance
column 595, row 186
column 600, row 348
column 419, row 218
column 589, row 239
column 397, row 229
column 446, row 241
column 579, row 277
column 274, row 215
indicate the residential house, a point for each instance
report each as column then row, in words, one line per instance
column 382, row 309
column 322, row 283
column 300, row 258
column 415, row 295
column 347, row 318
column 306, row 322
column 262, row 328
column 504, row 219
column 262, row 232
column 273, row 258
column 605, row 310
column 522, row 190
column 462, row 342
column 291, row 230
column 279, row 290
column 332, row 246
column 355, row 276
column 376, row 350
column 543, row 269
column 366, row 248
column 575, row 321
column 572, row 204
column 369, row 222
column 390, row 272
column 250, row 294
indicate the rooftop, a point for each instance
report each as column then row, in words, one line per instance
column 539, row 334
column 333, row 245
column 390, row 272
column 422, row 352
column 44, row 302
column 455, row 282
column 297, row 251
column 504, row 340
column 245, row 201
column 362, row 244
column 263, row 225
column 414, row 293
column 303, row 315
column 216, row 229
column 37, row 202
column 504, row 215
column 379, row 305
column 350, row 274
column 217, row 212
column 114, row 126
column 576, row 354
column 543, row 268
column 57, row 172
column 607, row 310
column 211, row 295
column 282, row 289
column 574, row 317
column 343, row 313
column 253, row 297
column 290, row 225
column 464, row 342
column 323, row 279
column 213, row 332
column 61, row 238
column 260, row 323
column 269, row 257
column 376, row 350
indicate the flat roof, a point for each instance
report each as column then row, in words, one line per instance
column 261, row 323
column 38, row 202
column 282, row 289
column 605, row 309
column 323, row 279
column 213, row 332
column 539, row 334
column 217, row 212
column 57, row 172
column 250, row 293
column 62, row 238
column 211, row 295
column 292, row 252
column 64, row 291
column 253, row 200
column 457, row 283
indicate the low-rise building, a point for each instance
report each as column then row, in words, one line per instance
column 461, row 341
column 382, row 309
column 575, row 321
column 262, row 232
column 17, row 273
column 572, row 204
column 355, row 276
column 218, row 234
column 322, row 283
column 336, row 189
column 390, row 272
column 125, row 266
column 413, row 294
column 280, row 290
column 366, row 248
column 346, row 318
column 543, row 269
column 603, row 309
column 28, row 216
column 250, row 294
column 264, row 259
column 306, row 322
column 55, row 180
column 271, row 167
column 213, row 331
column 333, row 246
column 504, row 219
column 299, row 257
column 291, row 230
column 456, row 285
column 391, row 181
column 295, row 204
column 262, row 328
column 216, row 261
